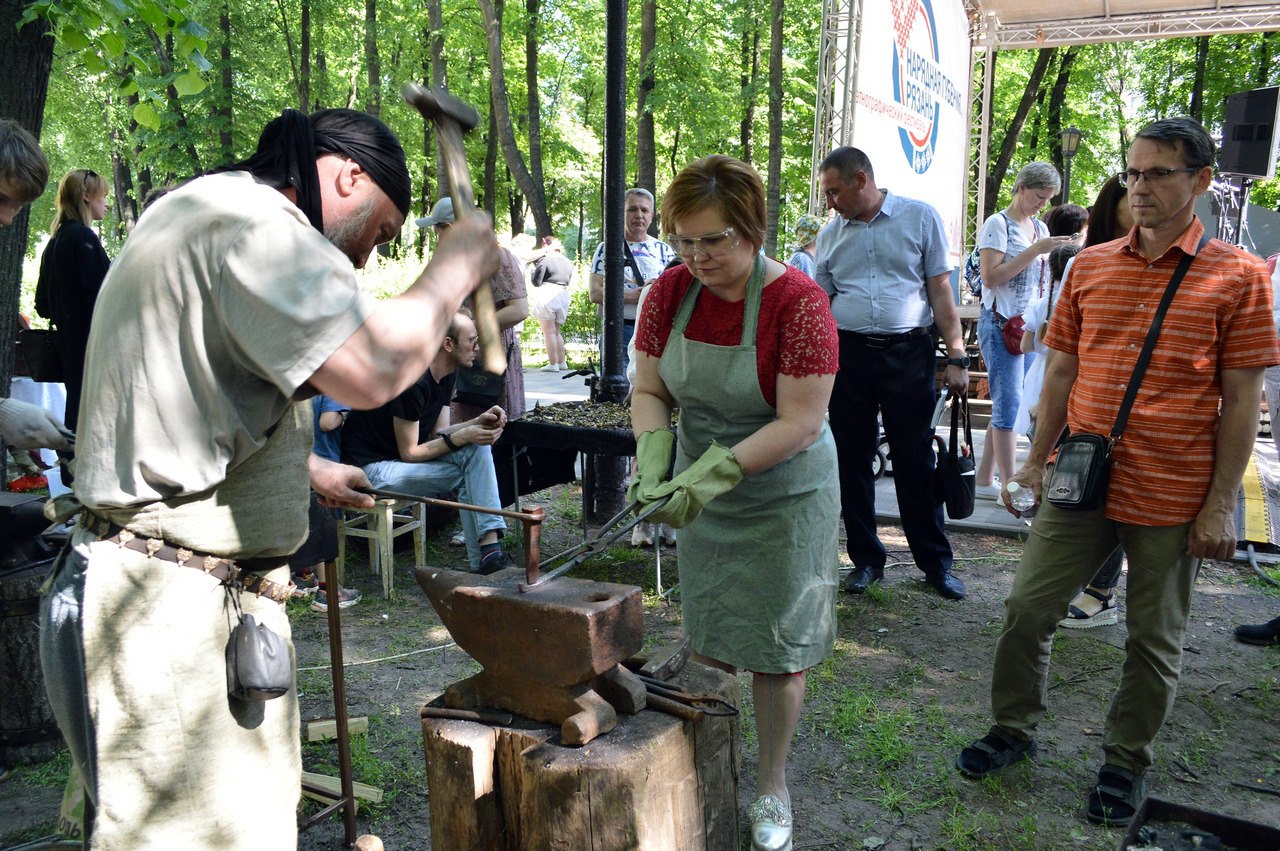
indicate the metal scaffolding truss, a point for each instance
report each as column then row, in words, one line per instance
column 1137, row 27
column 837, row 83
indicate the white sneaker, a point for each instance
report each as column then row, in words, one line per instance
column 991, row 491
column 667, row 534
column 563, row 367
column 551, row 367
column 459, row 539
column 642, row 535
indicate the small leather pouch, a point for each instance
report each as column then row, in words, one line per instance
column 1081, row 474
column 258, row 663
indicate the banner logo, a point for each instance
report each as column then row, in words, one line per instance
column 920, row 87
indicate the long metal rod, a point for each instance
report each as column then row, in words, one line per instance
column 531, row 522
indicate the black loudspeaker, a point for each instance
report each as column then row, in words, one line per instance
column 1249, row 134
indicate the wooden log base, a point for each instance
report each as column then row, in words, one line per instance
column 654, row 782
column 579, row 710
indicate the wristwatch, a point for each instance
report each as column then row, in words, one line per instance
column 962, row 362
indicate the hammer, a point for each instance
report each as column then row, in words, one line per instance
column 451, row 118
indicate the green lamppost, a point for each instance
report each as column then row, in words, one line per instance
column 1070, row 144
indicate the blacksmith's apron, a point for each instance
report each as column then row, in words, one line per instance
column 758, row 568
column 178, row 763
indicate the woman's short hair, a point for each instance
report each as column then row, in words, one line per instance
column 77, row 185
column 22, row 163
column 1066, row 219
column 728, row 185
column 1102, row 216
column 1038, row 175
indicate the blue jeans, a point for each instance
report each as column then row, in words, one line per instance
column 468, row 471
column 1004, row 371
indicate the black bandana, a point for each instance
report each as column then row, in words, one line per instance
column 289, row 145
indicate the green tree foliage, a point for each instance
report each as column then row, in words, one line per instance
column 1116, row 88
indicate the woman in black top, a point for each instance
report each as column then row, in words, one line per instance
column 71, row 272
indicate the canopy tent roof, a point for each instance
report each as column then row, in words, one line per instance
column 1009, row 24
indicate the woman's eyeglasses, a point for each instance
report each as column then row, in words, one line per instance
column 711, row 245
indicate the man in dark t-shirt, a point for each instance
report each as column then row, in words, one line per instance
column 409, row 445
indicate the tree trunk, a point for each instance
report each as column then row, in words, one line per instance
column 1056, row 100
column 304, row 56
column 144, row 171
column 1009, row 145
column 373, row 97
column 226, row 145
column 532, row 7
column 439, row 72
column 750, row 70
column 175, row 103
column 490, row 202
column 646, row 166
column 126, row 205
column 28, row 54
column 293, row 60
column 515, row 207
column 1264, row 60
column 1196, row 109
column 774, row 182
column 533, row 192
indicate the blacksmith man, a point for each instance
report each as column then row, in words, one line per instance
column 233, row 300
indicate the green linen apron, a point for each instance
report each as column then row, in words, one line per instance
column 758, row 568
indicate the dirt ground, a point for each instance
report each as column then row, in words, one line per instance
column 872, row 766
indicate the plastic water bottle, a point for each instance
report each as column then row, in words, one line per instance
column 1022, row 499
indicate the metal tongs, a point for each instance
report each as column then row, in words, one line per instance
column 707, row 704
column 611, row 531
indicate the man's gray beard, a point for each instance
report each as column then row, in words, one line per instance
column 346, row 231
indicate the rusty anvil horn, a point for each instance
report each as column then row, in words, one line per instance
column 451, row 118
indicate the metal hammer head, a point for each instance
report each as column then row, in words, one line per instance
column 438, row 105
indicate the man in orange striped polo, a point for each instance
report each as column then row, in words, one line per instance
column 1176, row 468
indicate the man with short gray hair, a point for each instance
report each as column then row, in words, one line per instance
column 649, row 254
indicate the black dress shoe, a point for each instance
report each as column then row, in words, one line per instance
column 861, row 577
column 947, row 585
column 1264, row 633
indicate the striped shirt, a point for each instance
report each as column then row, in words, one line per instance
column 1219, row 319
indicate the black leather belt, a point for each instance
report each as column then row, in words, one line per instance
column 884, row 341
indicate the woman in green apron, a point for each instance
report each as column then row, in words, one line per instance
column 747, row 349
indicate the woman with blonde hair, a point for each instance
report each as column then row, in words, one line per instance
column 71, row 272
column 747, row 348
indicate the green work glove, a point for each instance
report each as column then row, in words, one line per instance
column 716, row 472
column 653, row 462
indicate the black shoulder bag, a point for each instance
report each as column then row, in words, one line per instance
column 1083, row 469
column 953, row 478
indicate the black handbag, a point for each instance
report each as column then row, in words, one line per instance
column 1083, row 468
column 38, row 349
column 479, row 387
column 953, row 477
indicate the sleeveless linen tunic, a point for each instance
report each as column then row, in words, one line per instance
column 758, row 568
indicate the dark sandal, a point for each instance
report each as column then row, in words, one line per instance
column 1115, row 796
column 993, row 753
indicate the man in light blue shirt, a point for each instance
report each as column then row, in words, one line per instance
column 886, row 267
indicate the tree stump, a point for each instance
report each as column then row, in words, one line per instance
column 653, row 782
column 28, row 731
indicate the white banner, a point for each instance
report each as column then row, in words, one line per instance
column 913, row 67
